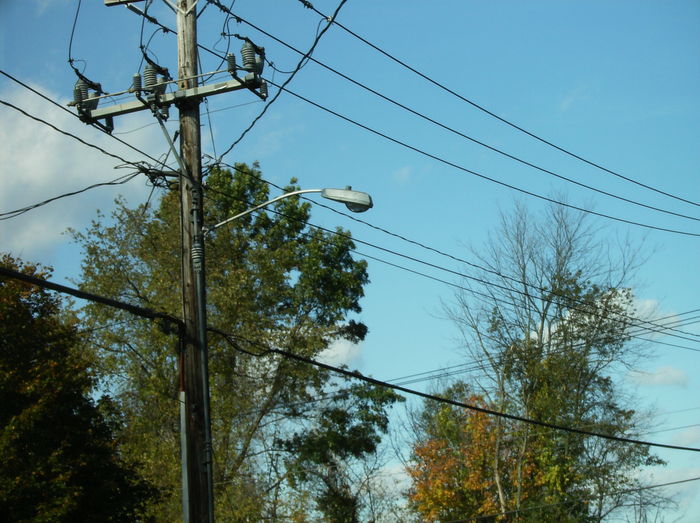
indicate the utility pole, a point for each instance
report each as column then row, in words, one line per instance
column 196, row 373
column 195, row 421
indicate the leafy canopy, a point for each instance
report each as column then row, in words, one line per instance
column 272, row 280
column 59, row 457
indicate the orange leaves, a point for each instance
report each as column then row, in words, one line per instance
column 453, row 468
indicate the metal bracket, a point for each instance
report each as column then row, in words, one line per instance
column 166, row 99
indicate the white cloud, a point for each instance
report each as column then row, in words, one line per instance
column 685, row 493
column 646, row 309
column 573, row 97
column 689, row 437
column 39, row 163
column 403, row 175
column 665, row 376
column 341, row 352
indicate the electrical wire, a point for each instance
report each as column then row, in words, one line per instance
column 167, row 321
column 672, row 429
column 211, row 130
column 635, row 322
column 72, row 33
column 145, row 50
column 117, row 181
column 224, row 33
column 56, row 104
column 480, row 175
column 143, row 26
column 353, row 374
column 477, row 365
column 218, row 4
column 66, row 133
column 496, row 116
column 467, row 137
column 266, row 350
column 165, row 28
column 547, row 505
column 93, row 85
column 225, row 9
column 308, row 56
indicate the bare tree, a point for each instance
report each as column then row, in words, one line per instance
column 548, row 318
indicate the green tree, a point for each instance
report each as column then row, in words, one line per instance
column 272, row 280
column 324, row 455
column 59, row 459
column 549, row 336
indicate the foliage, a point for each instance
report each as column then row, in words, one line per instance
column 272, row 280
column 59, row 460
column 343, row 431
column 452, row 468
column 548, row 337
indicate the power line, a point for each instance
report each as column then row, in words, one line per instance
column 172, row 321
column 467, row 137
column 168, row 322
column 66, row 133
column 480, row 175
column 355, row 374
column 167, row 29
column 72, row 35
column 672, row 429
column 467, row 289
column 308, row 56
column 496, row 116
column 228, row 11
column 218, row 4
column 56, row 104
column 117, row 181
column 658, row 328
column 536, row 507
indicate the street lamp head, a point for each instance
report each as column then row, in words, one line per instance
column 356, row 201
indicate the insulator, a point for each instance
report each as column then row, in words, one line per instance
column 263, row 89
column 248, row 54
column 197, row 255
column 150, row 77
column 162, row 86
column 136, row 83
column 77, row 95
column 82, row 87
column 231, row 61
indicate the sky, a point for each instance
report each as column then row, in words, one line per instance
column 615, row 83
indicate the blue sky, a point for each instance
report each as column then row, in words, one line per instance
column 615, row 82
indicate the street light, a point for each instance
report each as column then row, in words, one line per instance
column 355, row 201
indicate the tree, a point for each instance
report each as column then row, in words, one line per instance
column 341, row 434
column 548, row 320
column 59, row 459
column 452, row 466
column 273, row 281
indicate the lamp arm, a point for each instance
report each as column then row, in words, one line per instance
column 207, row 230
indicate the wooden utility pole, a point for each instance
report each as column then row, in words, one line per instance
column 195, row 422
column 199, row 447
